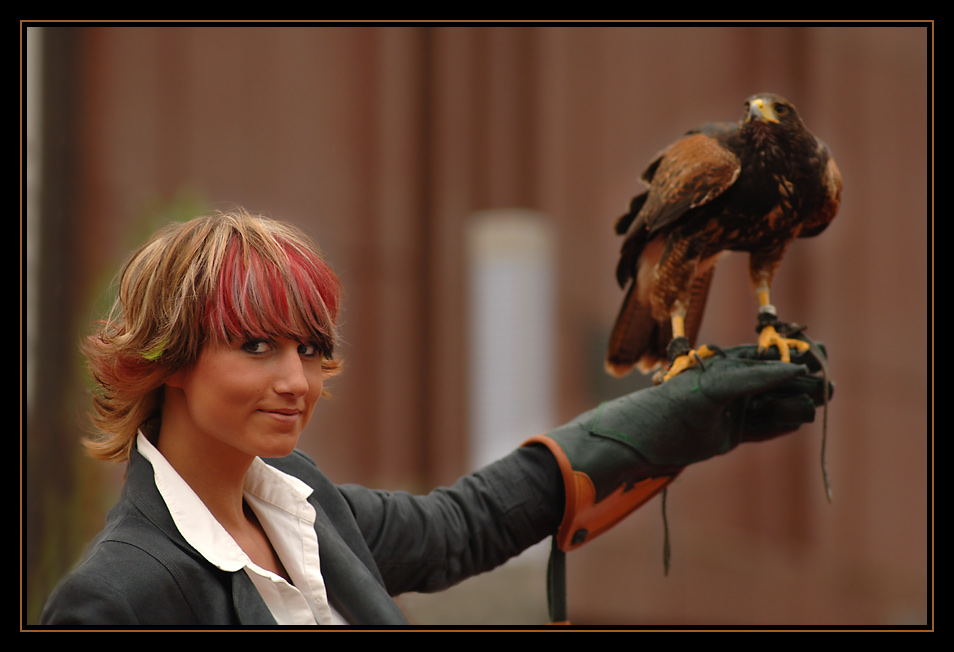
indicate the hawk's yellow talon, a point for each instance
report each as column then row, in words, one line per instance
column 686, row 361
column 769, row 337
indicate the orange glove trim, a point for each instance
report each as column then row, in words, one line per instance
column 584, row 518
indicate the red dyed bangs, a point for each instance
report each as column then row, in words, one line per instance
column 288, row 293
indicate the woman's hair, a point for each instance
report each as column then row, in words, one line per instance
column 219, row 278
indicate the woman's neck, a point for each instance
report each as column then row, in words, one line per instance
column 216, row 473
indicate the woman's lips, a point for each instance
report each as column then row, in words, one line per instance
column 284, row 415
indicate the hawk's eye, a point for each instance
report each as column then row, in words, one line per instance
column 781, row 109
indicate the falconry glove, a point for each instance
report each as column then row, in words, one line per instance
column 618, row 456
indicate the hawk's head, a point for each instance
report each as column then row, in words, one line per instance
column 771, row 108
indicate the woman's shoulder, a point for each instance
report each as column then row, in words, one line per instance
column 131, row 574
column 120, row 582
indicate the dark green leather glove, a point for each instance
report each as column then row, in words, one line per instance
column 616, row 457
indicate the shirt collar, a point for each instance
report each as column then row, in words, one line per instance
column 197, row 524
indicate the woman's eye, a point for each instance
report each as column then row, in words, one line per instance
column 307, row 350
column 255, row 346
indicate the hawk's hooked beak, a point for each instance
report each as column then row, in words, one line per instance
column 760, row 110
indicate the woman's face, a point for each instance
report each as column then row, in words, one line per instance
column 254, row 397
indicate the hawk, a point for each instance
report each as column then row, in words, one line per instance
column 752, row 186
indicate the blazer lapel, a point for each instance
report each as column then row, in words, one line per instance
column 249, row 606
column 353, row 589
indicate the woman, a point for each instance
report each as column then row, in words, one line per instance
column 210, row 365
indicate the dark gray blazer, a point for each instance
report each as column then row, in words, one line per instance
column 139, row 571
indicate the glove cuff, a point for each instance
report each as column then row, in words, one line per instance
column 585, row 518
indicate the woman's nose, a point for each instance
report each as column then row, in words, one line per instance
column 291, row 377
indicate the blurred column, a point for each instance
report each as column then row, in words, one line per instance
column 512, row 330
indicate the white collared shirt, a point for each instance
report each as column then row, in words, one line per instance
column 280, row 503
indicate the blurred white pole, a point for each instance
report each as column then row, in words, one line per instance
column 512, row 321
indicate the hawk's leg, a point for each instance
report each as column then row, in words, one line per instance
column 681, row 354
column 769, row 330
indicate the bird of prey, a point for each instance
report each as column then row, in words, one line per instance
column 752, row 186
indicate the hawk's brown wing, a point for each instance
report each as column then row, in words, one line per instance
column 690, row 173
column 693, row 171
column 829, row 206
